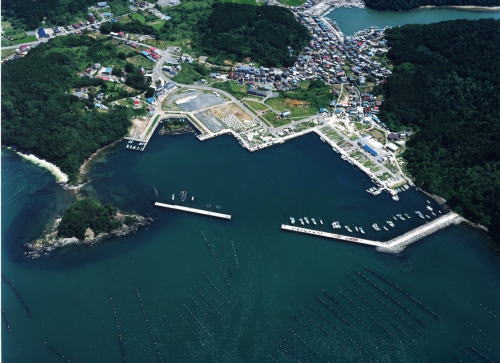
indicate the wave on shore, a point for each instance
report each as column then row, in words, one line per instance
column 60, row 176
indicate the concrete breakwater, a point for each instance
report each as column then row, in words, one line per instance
column 193, row 210
column 394, row 245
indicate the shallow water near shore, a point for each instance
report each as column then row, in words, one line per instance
column 351, row 20
column 241, row 304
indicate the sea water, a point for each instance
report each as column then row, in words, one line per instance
column 199, row 304
column 351, row 20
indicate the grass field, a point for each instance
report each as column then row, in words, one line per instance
column 139, row 61
column 13, row 35
column 283, row 104
column 247, row 2
column 232, row 87
column 292, row 2
column 190, row 73
column 256, row 106
column 7, row 52
column 272, row 119
column 378, row 135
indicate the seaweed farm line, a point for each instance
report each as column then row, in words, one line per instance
column 193, row 210
column 396, row 244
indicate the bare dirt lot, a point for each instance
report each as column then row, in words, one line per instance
column 138, row 127
column 290, row 102
column 228, row 109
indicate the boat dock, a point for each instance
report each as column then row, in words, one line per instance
column 194, row 210
column 394, row 245
column 314, row 232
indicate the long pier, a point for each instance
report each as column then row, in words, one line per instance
column 393, row 245
column 193, row 210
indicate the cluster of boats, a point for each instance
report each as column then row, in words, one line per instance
column 336, row 225
column 305, row 220
column 182, row 196
column 385, row 226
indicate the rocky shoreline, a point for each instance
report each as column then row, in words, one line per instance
column 51, row 241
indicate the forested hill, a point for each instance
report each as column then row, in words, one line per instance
column 399, row 5
column 31, row 13
column 268, row 35
column 445, row 85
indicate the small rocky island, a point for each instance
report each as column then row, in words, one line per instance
column 86, row 222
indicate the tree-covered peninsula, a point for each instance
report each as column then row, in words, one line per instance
column 400, row 5
column 42, row 115
column 445, row 88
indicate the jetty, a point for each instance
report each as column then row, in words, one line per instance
column 393, row 245
column 194, row 210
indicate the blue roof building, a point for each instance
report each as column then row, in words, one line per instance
column 42, row 34
column 369, row 150
column 150, row 100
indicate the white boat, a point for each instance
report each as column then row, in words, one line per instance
column 407, row 216
column 429, row 208
column 306, row 220
column 395, row 197
column 395, row 218
column 173, row 196
column 320, row 221
column 434, row 214
column 390, row 223
column 356, row 228
column 375, row 227
column 301, row 221
column 348, row 229
column 361, row 230
column 292, row 220
column 192, row 198
column 314, row 221
column 385, row 228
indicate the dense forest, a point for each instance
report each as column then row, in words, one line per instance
column 33, row 12
column 399, row 5
column 268, row 35
column 87, row 213
column 40, row 116
column 445, row 87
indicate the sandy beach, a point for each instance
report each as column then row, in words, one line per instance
column 60, row 176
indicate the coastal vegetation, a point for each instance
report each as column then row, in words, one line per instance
column 399, row 5
column 87, row 213
column 42, row 117
column 444, row 87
